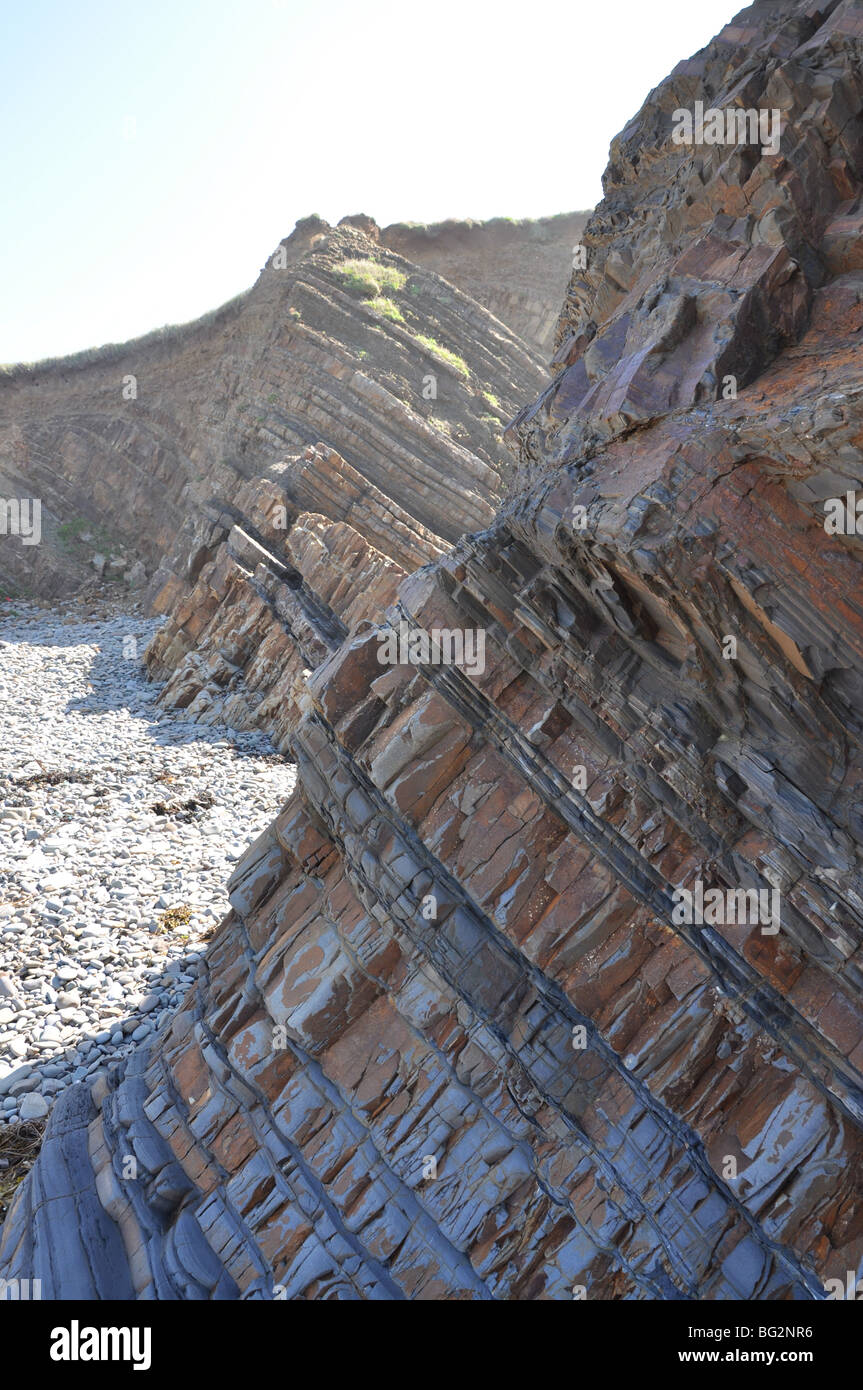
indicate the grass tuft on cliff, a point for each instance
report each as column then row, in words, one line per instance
column 387, row 307
column 70, row 533
column 117, row 352
column 369, row 279
column 451, row 358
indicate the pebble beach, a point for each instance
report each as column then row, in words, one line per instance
column 120, row 825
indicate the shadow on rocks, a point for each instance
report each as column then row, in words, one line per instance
column 122, row 683
column 28, row 1089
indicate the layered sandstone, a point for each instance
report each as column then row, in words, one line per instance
column 452, row 1042
column 412, row 385
column 518, row 270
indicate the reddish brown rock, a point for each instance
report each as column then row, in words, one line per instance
column 125, row 444
column 455, row 1039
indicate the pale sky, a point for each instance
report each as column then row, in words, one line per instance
column 155, row 151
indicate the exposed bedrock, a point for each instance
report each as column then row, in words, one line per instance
column 340, row 342
column 516, row 270
column 454, row 1040
column 702, row 259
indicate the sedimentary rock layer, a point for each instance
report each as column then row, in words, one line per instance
column 409, row 380
column 516, row 270
column 455, row 1040
column 270, row 602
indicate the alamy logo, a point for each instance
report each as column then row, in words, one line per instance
column 852, row 1289
column 76, row 1343
column 721, row 906
column 844, row 515
column 21, row 516
column 440, row 646
column 18, row 1289
column 731, row 125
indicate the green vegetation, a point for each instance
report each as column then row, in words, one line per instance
column 387, row 307
column 118, row 352
column 369, row 279
column 491, row 400
column 451, row 358
column 70, row 532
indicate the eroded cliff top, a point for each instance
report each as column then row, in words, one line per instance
column 468, row 1032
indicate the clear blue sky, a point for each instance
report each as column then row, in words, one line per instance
column 155, row 151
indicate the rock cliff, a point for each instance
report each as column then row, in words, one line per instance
column 340, row 342
column 516, row 270
column 456, row 1040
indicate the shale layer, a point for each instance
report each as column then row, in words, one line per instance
column 454, row 1040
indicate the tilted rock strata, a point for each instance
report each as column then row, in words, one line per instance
column 516, row 270
column 126, row 444
column 322, row 481
column 377, row 1087
column 702, row 259
column 268, row 605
